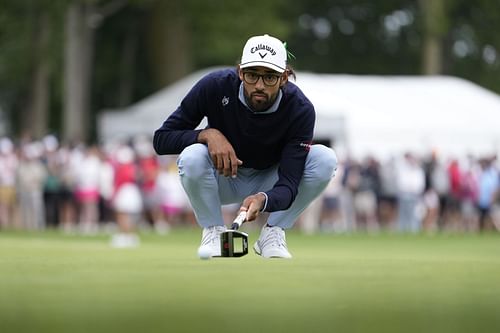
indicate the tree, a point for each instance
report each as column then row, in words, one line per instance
column 64, row 61
column 38, row 106
column 473, row 43
column 29, row 41
column 435, row 27
column 356, row 36
column 82, row 19
column 184, row 35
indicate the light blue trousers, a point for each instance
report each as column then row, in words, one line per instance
column 208, row 191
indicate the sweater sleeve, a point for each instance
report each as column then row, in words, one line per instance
column 178, row 131
column 292, row 164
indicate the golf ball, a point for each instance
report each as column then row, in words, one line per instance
column 204, row 253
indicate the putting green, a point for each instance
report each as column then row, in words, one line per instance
column 352, row 283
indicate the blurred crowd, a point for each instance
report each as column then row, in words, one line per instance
column 410, row 193
column 125, row 185
column 80, row 188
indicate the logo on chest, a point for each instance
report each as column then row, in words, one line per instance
column 225, row 101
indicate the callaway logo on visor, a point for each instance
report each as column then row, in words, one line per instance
column 260, row 48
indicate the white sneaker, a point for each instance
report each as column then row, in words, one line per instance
column 210, row 242
column 162, row 228
column 124, row 241
column 272, row 243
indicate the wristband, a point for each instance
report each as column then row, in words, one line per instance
column 265, row 202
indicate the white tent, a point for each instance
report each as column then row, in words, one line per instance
column 379, row 115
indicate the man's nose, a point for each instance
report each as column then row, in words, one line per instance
column 260, row 83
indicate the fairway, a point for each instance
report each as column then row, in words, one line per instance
column 51, row 282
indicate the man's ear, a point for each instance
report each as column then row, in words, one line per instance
column 284, row 78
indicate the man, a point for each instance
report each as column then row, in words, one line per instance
column 256, row 149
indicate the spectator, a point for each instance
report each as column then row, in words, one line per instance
column 331, row 213
column 350, row 181
column 488, row 186
column 437, row 184
column 388, row 206
column 172, row 198
column 8, row 166
column 87, row 190
column 148, row 176
column 69, row 161
column 411, row 183
column 30, row 178
column 495, row 208
column 127, row 200
column 452, row 216
column 366, row 195
column 436, row 195
column 106, row 188
column 53, row 182
column 469, row 195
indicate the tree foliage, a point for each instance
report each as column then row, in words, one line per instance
column 473, row 42
column 20, row 25
column 146, row 44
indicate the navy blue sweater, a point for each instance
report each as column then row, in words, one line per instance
column 259, row 140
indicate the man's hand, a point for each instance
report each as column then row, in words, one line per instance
column 221, row 152
column 253, row 204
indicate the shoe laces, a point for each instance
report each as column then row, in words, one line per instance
column 275, row 236
column 211, row 235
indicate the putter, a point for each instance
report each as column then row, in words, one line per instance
column 229, row 239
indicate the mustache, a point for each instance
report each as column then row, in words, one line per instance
column 258, row 92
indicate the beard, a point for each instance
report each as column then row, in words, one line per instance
column 260, row 101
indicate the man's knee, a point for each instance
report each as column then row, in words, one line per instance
column 323, row 162
column 194, row 160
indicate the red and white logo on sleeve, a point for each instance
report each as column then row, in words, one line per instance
column 306, row 145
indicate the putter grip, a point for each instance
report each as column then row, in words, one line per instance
column 238, row 221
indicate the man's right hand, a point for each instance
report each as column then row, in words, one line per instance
column 253, row 205
column 221, row 152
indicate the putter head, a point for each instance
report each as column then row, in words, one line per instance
column 233, row 243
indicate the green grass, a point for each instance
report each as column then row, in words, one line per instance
column 352, row 283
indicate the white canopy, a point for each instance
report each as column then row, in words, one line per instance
column 361, row 115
